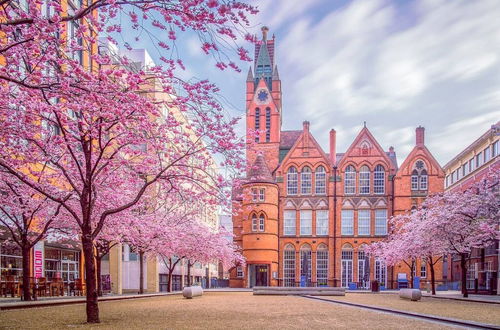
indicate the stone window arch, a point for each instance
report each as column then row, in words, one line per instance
column 320, row 180
column 292, row 179
column 322, row 265
column 350, row 180
column 364, row 180
column 305, row 180
column 379, row 179
column 289, row 265
column 306, row 262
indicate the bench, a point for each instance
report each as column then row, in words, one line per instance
column 192, row 291
column 411, row 294
column 298, row 291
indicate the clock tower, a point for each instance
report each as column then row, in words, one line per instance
column 263, row 104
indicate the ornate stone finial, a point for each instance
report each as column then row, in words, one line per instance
column 264, row 29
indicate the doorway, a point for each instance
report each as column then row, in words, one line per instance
column 258, row 275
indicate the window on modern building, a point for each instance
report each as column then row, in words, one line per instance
column 471, row 164
column 305, row 259
column 447, row 181
column 289, row 228
column 346, row 265
column 487, row 154
column 254, row 223
column 379, row 180
column 262, row 194
column 322, row 265
column 261, row 222
column 257, row 123
column 423, row 268
column 292, row 181
column 347, row 222
column 422, row 185
column 268, row 124
column 364, row 180
column 306, row 222
column 479, row 159
column 322, row 222
column 305, row 180
column 320, row 180
column 494, row 149
column 364, row 222
column 381, row 222
column 239, row 271
column 464, row 173
column 289, row 265
column 414, row 180
column 350, row 180
column 254, row 194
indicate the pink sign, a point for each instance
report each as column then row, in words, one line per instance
column 38, row 260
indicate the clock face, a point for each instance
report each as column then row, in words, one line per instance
column 262, row 95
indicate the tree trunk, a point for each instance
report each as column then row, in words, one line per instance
column 26, row 273
column 141, row 272
column 169, row 280
column 463, row 266
column 90, row 276
column 98, row 261
column 189, row 274
column 433, row 277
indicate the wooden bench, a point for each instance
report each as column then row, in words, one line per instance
column 411, row 294
column 298, row 291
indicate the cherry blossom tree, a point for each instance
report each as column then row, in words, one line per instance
column 28, row 218
column 106, row 142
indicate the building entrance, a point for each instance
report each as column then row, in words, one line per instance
column 258, row 275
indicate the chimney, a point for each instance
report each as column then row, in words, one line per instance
column 333, row 141
column 305, row 125
column 264, row 29
column 420, row 134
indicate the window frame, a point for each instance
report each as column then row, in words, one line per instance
column 364, row 180
column 347, row 224
column 367, row 224
column 290, row 230
column 350, row 177
column 320, row 180
column 378, row 224
column 303, row 224
column 306, row 181
column 322, row 222
column 292, row 177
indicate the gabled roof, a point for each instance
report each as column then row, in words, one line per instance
column 288, row 138
column 413, row 154
column 366, row 132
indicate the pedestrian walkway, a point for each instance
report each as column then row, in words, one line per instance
column 457, row 295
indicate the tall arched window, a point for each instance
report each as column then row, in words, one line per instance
column 322, row 265
column 320, row 180
column 254, row 223
column 257, row 123
column 292, row 181
column 346, row 270
column 364, row 180
column 305, row 180
column 379, row 180
column 261, row 222
column 350, row 180
column 419, row 178
column 268, row 124
column 289, row 265
column 305, row 262
column 363, row 268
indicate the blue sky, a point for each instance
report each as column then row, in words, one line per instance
column 394, row 64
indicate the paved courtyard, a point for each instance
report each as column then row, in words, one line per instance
column 228, row 310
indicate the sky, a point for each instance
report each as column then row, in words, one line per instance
column 394, row 64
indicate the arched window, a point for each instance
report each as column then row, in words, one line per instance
column 379, row 180
column 257, row 123
column 261, row 222
column 322, row 265
column 350, row 180
column 320, row 180
column 289, row 265
column 363, row 268
column 423, row 180
column 254, row 223
column 419, row 177
column 305, row 262
column 364, row 180
column 305, row 181
column 346, row 270
column 292, row 181
column 414, row 180
column 268, row 124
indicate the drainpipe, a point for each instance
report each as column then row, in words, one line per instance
column 334, row 224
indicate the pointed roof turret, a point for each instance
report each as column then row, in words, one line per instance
column 250, row 74
column 259, row 172
column 276, row 75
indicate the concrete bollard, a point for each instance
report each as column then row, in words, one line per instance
column 192, row 291
column 412, row 294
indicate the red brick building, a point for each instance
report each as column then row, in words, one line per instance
column 305, row 215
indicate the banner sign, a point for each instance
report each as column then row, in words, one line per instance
column 38, row 259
